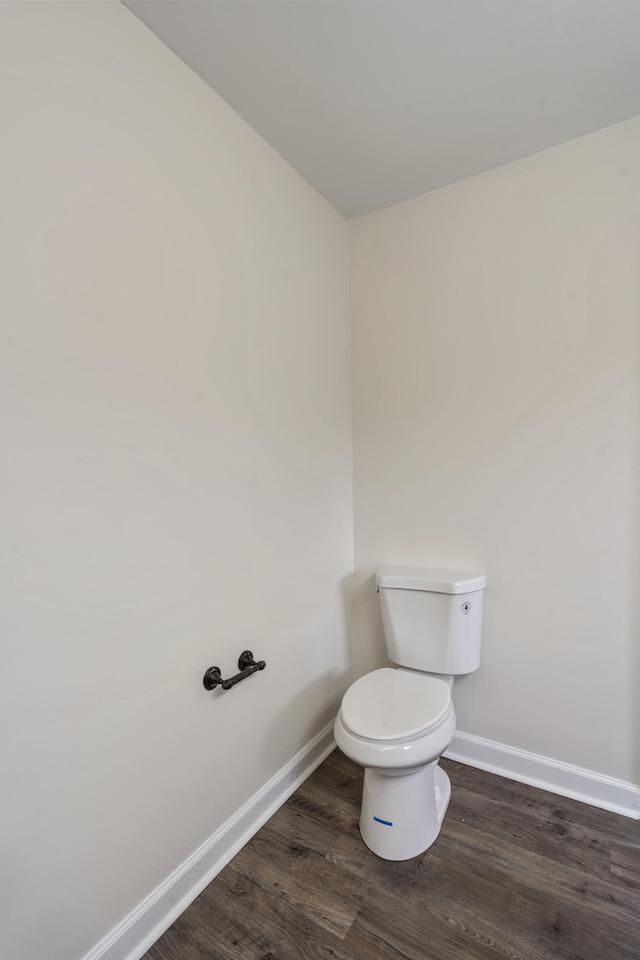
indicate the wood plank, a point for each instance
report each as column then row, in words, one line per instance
column 237, row 919
column 543, row 804
column 350, row 853
column 321, row 890
column 625, row 861
column 598, row 919
column 419, row 931
column 339, row 795
column 268, row 923
column 552, row 835
column 307, row 824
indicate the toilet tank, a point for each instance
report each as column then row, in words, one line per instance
column 432, row 618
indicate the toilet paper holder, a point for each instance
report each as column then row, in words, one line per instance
column 246, row 665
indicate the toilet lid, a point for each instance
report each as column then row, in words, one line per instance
column 393, row 704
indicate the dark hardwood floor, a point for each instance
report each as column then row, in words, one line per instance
column 516, row 873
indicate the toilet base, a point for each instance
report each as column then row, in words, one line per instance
column 402, row 814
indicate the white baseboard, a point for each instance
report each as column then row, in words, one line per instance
column 137, row 932
column 547, row 774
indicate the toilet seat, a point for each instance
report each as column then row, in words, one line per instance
column 391, row 706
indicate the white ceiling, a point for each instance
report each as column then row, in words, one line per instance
column 376, row 101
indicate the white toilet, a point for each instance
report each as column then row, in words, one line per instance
column 398, row 722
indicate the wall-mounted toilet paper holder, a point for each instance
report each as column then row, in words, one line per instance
column 246, row 665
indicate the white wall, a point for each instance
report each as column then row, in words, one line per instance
column 495, row 427
column 176, row 482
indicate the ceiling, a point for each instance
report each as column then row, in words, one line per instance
column 377, row 101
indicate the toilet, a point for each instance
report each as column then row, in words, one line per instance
column 397, row 722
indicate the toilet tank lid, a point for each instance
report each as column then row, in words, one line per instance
column 434, row 580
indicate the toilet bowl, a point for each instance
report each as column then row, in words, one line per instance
column 396, row 724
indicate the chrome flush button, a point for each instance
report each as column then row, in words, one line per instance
column 466, row 607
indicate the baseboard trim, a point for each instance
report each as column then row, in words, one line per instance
column 137, row 932
column 561, row 778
